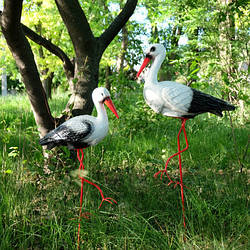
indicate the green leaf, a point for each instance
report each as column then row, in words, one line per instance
column 9, row 171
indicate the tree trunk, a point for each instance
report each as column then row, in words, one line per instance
column 47, row 84
column 107, row 80
column 121, row 59
column 22, row 53
column 88, row 50
column 227, row 36
column 82, row 86
column 4, row 82
column 47, row 81
column 176, row 33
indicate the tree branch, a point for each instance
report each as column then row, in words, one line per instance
column 68, row 66
column 77, row 25
column 114, row 28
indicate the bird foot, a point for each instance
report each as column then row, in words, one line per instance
column 162, row 173
column 108, row 199
column 85, row 215
column 177, row 183
column 156, row 174
column 170, row 180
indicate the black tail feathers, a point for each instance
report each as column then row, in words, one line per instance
column 46, row 142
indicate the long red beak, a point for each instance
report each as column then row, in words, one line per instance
column 144, row 64
column 111, row 106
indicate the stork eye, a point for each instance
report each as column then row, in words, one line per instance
column 152, row 49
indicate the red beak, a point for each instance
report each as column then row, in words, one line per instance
column 111, row 106
column 144, row 64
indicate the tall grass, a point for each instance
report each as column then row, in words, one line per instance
column 39, row 209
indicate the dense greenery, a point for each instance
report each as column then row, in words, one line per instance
column 39, row 203
column 39, row 207
column 216, row 32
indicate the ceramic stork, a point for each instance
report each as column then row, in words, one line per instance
column 81, row 132
column 176, row 100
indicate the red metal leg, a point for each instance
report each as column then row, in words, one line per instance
column 183, row 122
column 108, row 199
column 81, row 168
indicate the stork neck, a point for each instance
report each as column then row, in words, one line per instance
column 101, row 112
column 154, row 69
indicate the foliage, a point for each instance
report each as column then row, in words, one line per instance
column 38, row 206
column 39, row 209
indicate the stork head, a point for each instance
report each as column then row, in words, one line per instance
column 152, row 52
column 102, row 95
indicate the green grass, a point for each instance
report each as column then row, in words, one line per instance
column 39, row 210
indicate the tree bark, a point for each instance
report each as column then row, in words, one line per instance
column 22, row 53
column 176, row 33
column 107, row 75
column 47, row 84
column 121, row 60
column 67, row 64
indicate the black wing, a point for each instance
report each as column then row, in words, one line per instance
column 202, row 103
column 66, row 135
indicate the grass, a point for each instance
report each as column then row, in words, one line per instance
column 38, row 209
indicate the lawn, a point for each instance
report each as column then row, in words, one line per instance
column 39, row 206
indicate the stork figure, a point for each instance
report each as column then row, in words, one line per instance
column 81, row 132
column 176, row 100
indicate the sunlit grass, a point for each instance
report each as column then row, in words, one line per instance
column 40, row 210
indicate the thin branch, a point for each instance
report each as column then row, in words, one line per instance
column 68, row 66
column 114, row 28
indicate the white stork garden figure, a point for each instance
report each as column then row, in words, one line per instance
column 83, row 131
column 176, row 100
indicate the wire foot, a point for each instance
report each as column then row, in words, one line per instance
column 108, row 199
column 86, row 214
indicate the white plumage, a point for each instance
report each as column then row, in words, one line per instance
column 175, row 99
column 168, row 98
